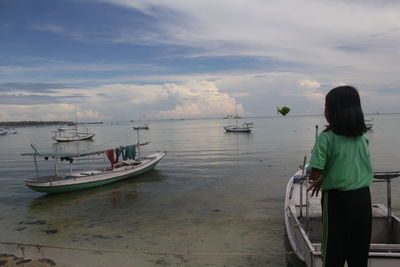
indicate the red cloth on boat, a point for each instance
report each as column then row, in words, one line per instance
column 112, row 157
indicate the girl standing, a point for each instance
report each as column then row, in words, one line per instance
column 341, row 169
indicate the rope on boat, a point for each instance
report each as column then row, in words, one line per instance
column 37, row 246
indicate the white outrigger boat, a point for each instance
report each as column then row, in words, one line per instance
column 71, row 135
column 303, row 222
column 93, row 177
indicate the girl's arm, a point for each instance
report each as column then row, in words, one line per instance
column 316, row 178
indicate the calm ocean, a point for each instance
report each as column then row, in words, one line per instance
column 216, row 199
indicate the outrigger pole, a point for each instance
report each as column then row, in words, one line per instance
column 303, row 173
column 305, row 178
column 34, row 158
column 138, row 142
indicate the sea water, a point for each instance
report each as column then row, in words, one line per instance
column 216, row 199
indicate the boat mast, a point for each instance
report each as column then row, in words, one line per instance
column 236, row 112
column 34, row 158
column 76, row 121
column 138, row 142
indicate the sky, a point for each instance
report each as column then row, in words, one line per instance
column 147, row 59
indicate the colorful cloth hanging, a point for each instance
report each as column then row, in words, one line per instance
column 128, row 152
column 113, row 155
column 131, row 151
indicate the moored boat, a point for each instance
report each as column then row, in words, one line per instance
column 83, row 179
column 4, row 131
column 141, row 126
column 245, row 128
column 303, row 222
column 71, row 135
column 65, row 179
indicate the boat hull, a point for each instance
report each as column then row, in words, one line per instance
column 141, row 127
column 305, row 235
column 90, row 181
column 237, row 129
column 74, row 138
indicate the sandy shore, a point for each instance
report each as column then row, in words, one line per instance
column 9, row 260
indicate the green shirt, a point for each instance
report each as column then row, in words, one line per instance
column 344, row 161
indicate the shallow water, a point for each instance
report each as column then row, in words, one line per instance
column 216, row 198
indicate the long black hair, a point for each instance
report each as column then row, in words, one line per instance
column 343, row 112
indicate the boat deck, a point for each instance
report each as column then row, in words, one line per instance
column 385, row 230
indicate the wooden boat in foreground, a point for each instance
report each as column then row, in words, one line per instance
column 303, row 221
column 92, row 174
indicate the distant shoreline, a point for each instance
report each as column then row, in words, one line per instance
column 32, row 123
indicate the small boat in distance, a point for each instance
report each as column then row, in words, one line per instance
column 72, row 134
column 368, row 123
column 231, row 116
column 244, row 128
column 141, row 127
column 4, row 131
column 92, row 174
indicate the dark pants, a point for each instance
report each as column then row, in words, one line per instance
column 347, row 223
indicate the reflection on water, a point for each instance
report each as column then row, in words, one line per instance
column 113, row 195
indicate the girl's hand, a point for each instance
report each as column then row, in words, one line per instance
column 315, row 187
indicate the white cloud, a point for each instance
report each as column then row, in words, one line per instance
column 48, row 27
column 309, row 84
column 311, row 92
column 192, row 99
column 199, row 99
column 323, row 36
